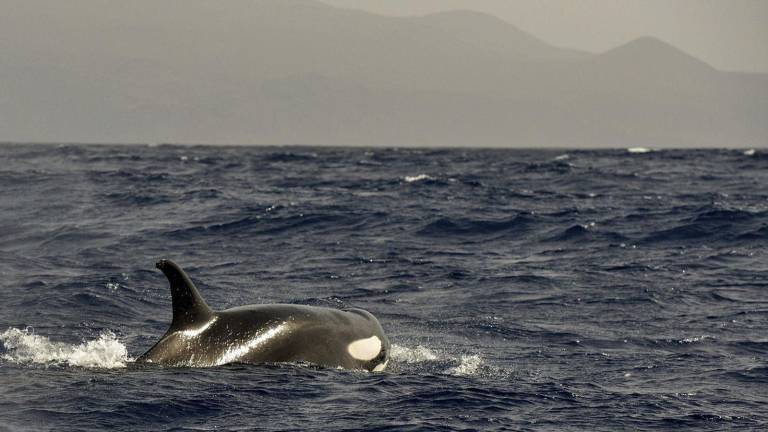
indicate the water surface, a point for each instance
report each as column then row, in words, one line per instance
column 523, row 290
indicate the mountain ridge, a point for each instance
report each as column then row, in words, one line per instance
column 302, row 72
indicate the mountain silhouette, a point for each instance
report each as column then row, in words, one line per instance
column 302, row 72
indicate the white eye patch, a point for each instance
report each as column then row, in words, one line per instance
column 365, row 349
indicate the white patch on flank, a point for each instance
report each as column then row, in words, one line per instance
column 381, row 366
column 365, row 349
column 235, row 352
column 197, row 331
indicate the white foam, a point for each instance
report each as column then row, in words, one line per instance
column 639, row 150
column 425, row 358
column 470, row 365
column 420, row 177
column 750, row 152
column 412, row 355
column 23, row 346
column 695, row 339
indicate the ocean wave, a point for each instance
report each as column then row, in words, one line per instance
column 417, row 178
column 133, row 199
column 25, row 347
column 289, row 156
column 262, row 224
column 558, row 166
column 754, row 154
column 475, row 227
column 758, row 234
column 751, row 347
column 428, row 180
column 680, row 233
column 714, row 214
column 715, row 223
column 587, row 232
column 132, row 177
column 507, row 307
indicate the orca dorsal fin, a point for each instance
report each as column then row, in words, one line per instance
column 189, row 308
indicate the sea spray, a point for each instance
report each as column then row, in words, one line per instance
column 464, row 365
column 23, row 346
column 470, row 365
column 412, row 355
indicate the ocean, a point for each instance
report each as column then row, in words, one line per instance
column 521, row 289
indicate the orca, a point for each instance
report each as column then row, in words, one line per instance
column 272, row 333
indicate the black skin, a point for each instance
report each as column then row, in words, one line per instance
column 259, row 333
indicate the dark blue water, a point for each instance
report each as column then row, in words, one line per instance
column 522, row 290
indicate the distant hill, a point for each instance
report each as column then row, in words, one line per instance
column 302, row 72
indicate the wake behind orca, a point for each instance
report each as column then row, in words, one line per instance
column 201, row 337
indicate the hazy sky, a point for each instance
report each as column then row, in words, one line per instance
column 728, row 34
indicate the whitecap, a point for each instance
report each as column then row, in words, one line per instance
column 750, row 152
column 639, row 150
column 23, row 346
column 420, row 177
column 690, row 340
